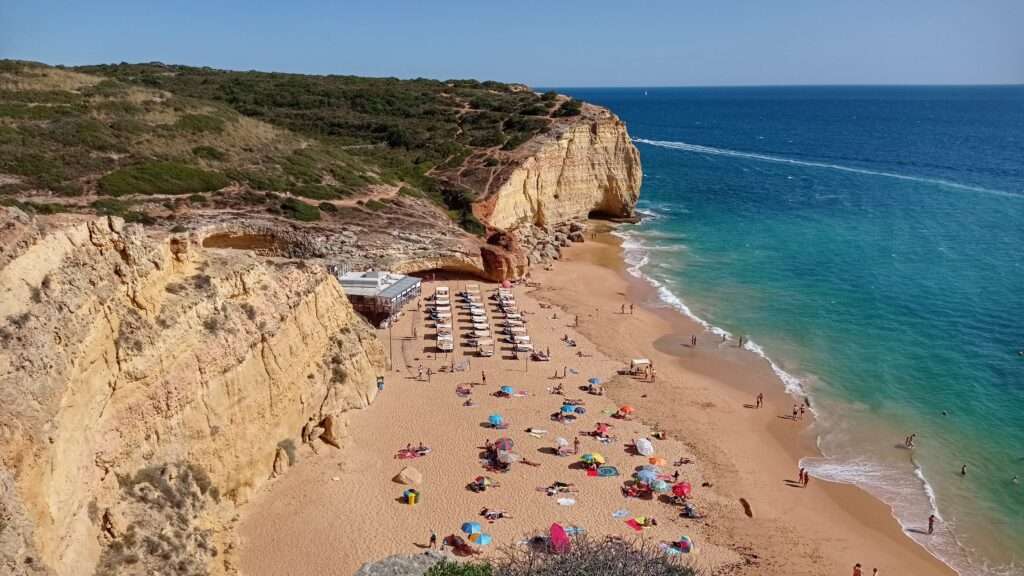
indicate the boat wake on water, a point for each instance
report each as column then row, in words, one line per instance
column 710, row 150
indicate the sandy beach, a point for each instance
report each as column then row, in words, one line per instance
column 336, row 510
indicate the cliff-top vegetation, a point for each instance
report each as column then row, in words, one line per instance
column 145, row 130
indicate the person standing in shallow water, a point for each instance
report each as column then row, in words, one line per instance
column 963, row 470
column 931, row 524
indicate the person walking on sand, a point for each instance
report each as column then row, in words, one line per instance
column 575, row 446
column 760, row 399
column 857, row 570
column 795, row 409
column 807, row 478
column 622, row 310
column 874, row 572
column 931, row 524
column 433, row 539
column 630, row 308
column 483, row 377
column 801, row 412
column 800, row 476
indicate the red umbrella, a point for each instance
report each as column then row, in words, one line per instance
column 559, row 539
column 682, row 489
column 503, row 444
column 602, row 428
column 627, row 409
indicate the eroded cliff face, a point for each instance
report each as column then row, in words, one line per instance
column 129, row 362
column 585, row 166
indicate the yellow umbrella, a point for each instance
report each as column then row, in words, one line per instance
column 591, row 457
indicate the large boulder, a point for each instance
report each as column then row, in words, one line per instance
column 409, row 476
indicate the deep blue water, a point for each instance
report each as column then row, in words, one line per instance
column 870, row 240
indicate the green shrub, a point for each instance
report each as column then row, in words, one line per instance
column 299, row 210
column 110, row 207
column 376, row 205
column 208, row 153
column 549, row 96
column 160, row 178
column 327, row 207
column 571, row 107
column 200, row 123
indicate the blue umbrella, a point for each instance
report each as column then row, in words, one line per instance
column 507, row 390
column 480, row 539
column 646, row 476
column 496, row 420
column 568, row 409
column 594, row 381
column 471, row 528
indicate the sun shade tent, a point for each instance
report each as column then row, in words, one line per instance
column 639, row 363
column 480, row 539
column 471, row 527
column 644, row 446
column 409, row 476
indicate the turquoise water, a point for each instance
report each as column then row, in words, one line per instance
column 870, row 242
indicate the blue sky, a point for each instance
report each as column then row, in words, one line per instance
column 553, row 43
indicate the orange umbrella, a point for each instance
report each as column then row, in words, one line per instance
column 657, row 461
column 627, row 409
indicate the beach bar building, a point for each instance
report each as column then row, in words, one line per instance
column 378, row 295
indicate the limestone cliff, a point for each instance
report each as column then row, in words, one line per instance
column 584, row 166
column 140, row 370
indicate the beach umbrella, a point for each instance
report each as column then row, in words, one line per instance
column 568, row 409
column 660, row 486
column 652, row 468
column 561, row 441
column 682, row 490
column 581, row 410
column 471, row 527
column 602, row 428
column 496, row 420
column 594, row 381
column 506, row 284
column 592, row 457
column 626, row 409
column 646, row 476
column 685, row 545
column 644, row 446
column 480, row 539
column 657, row 461
column 484, row 480
column 503, row 444
column 559, row 539
column 508, row 390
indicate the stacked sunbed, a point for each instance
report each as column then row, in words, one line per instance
column 513, row 325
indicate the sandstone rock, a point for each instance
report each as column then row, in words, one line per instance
column 328, row 435
column 128, row 354
column 590, row 166
column 576, row 237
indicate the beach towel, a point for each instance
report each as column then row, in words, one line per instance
column 566, row 501
column 620, row 513
column 607, row 471
column 575, row 530
column 632, row 523
column 591, row 472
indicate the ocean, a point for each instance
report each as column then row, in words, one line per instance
column 869, row 241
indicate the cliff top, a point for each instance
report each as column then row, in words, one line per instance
column 109, row 138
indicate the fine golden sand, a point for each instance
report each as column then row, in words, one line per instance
column 334, row 511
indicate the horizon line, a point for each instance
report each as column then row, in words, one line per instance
column 570, row 87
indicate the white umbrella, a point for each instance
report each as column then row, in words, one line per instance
column 644, row 446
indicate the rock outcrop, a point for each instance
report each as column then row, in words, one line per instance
column 140, row 371
column 583, row 167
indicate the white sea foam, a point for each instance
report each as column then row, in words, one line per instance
column 886, row 484
column 687, row 147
